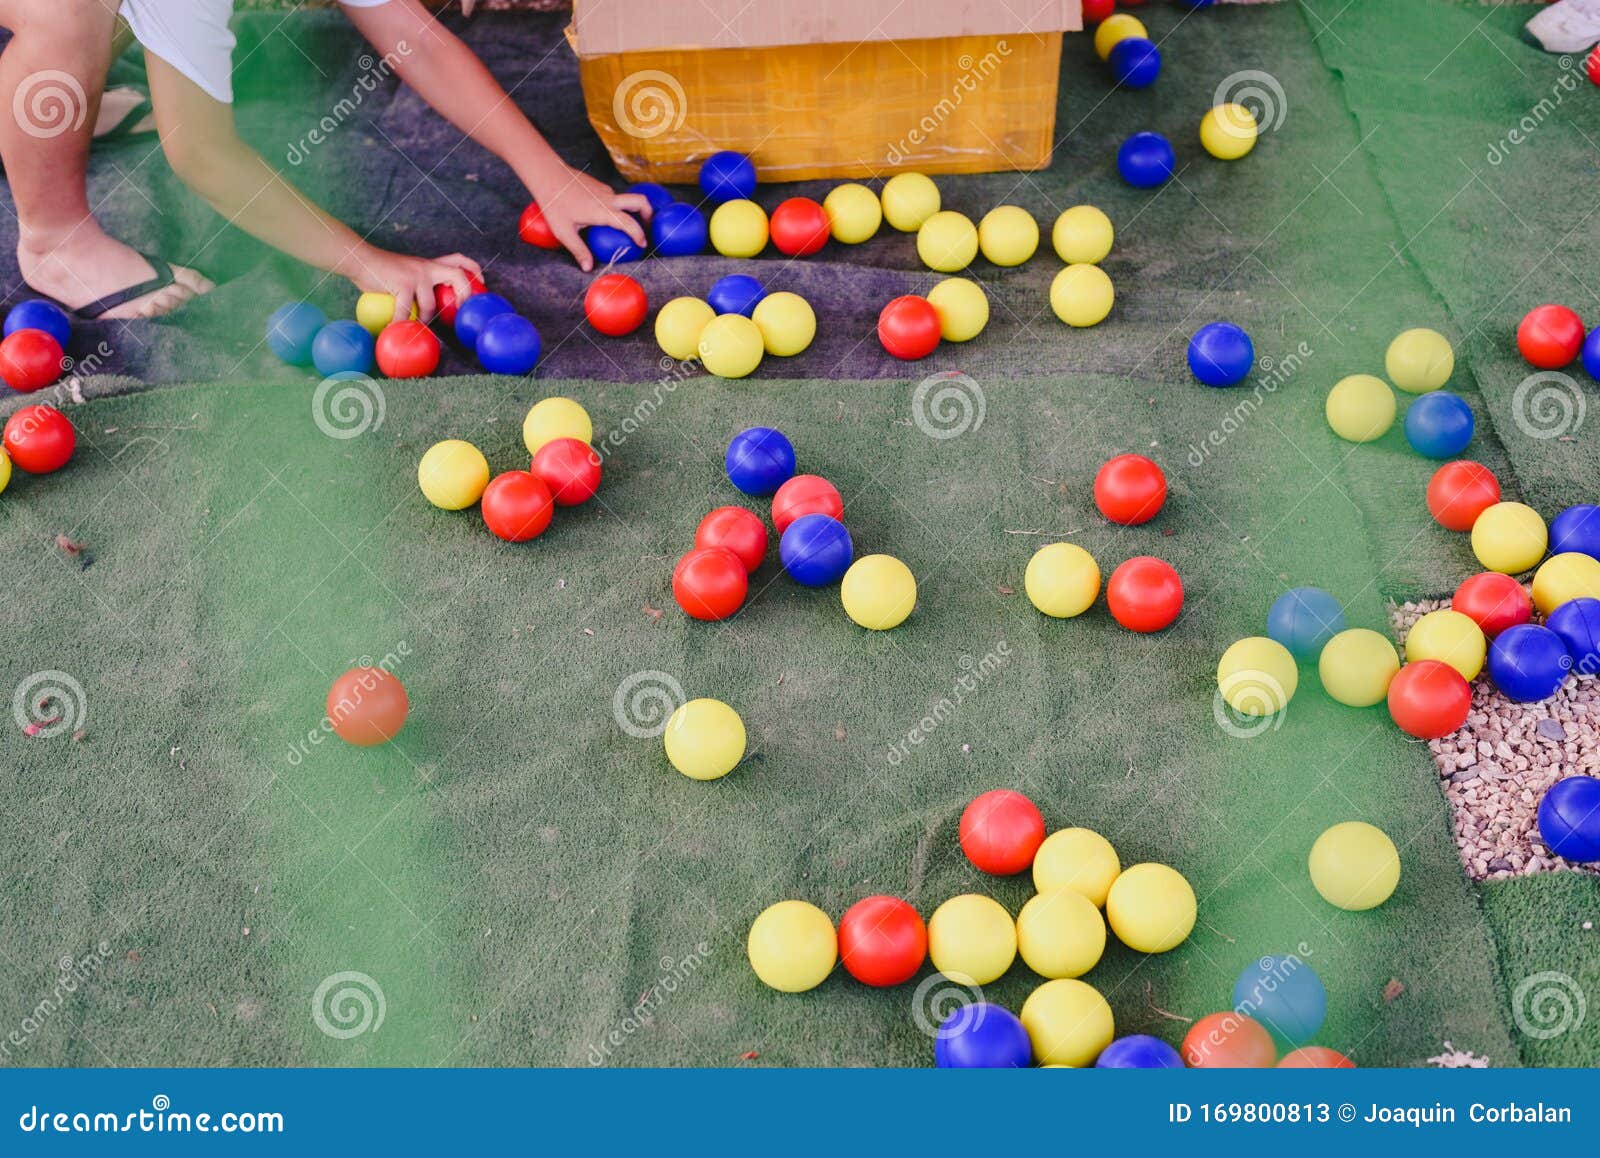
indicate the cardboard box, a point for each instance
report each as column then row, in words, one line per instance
column 830, row 88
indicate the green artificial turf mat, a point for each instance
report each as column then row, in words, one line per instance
column 1546, row 926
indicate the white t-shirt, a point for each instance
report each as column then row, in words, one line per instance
column 193, row 37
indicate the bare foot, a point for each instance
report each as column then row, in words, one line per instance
column 91, row 264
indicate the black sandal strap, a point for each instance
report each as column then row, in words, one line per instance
column 162, row 279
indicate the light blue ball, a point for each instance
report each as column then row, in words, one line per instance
column 1303, row 619
column 1285, row 995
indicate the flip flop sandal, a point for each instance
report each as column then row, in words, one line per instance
column 162, row 279
column 126, row 129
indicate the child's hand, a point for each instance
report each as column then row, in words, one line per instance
column 411, row 279
column 576, row 200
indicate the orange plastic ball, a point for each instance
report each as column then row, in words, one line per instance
column 1228, row 1041
column 1315, row 1057
column 1461, row 491
column 367, row 706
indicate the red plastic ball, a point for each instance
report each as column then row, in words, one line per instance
column 1130, row 489
column 1144, row 594
column 367, row 706
column 1550, row 336
column 615, row 304
column 710, row 583
column 805, row 494
column 1000, row 832
column 1228, row 1041
column 407, row 350
column 39, row 439
column 1429, row 699
column 882, row 941
column 1591, row 65
column 444, row 297
column 30, row 360
column 1315, row 1057
column 1094, row 11
column 517, row 506
column 737, row 529
column 908, row 327
column 1493, row 601
column 571, row 469
column 534, row 229
column 798, row 227
column 1459, row 492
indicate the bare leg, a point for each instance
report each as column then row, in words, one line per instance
column 51, row 77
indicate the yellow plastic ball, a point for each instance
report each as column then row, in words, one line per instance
column 1082, row 235
column 947, row 241
column 1151, row 908
column 854, row 213
column 704, row 739
column 1449, row 637
column 1061, row 934
column 553, row 418
column 792, row 946
column 1419, row 360
column 1062, row 580
column 452, row 474
column 1356, row 666
column 1509, row 538
column 909, row 199
column 1078, row 859
column 1008, row 235
column 5, row 470
column 678, row 327
column 1258, row 676
column 739, row 229
column 1081, row 295
column 1228, row 132
column 878, row 592
column 1354, row 866
column 1360, row 408
column 731, row 346
column 1563, row 577
column 1068, row 1022
column 971, row 939
column 962, row 306
column 1113, row 30
column 375, row 310
column 787, row 323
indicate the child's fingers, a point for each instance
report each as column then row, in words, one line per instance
column 454, row 276
column 629, row 225
column 569, row 238
column 462, row 261
column 403, row 300
column 427, row 304
column 633, row 203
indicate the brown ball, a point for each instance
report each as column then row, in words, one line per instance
column 367, row 706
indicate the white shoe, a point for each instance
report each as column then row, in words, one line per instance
column 1567, row 26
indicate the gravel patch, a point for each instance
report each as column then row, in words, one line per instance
column 1495, row 770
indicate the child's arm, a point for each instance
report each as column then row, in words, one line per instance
column 449, row 76
column 198, row 137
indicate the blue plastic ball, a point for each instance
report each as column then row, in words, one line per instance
column 1146, row 160
column 1135, row 62
column 1576, row 529
column 1139, row 1051
column 1577, row 622
column 508, row 344
column 759, row 460
column 659, row 196
column 38, row 314
column 1221, row 354
column 679, row 230
column 982, row 1035
column 1303, row 619
column 342, row 347
column 292, row 329
column 1197, row 3
column 1569, row 818
column 610, row 245
column 737, row 293
column 1591, row 353
column 1439, row 424
column 472, row 314
column 816, row 550
column 728, row 176
column 1528, row 662
column 1285, row 995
